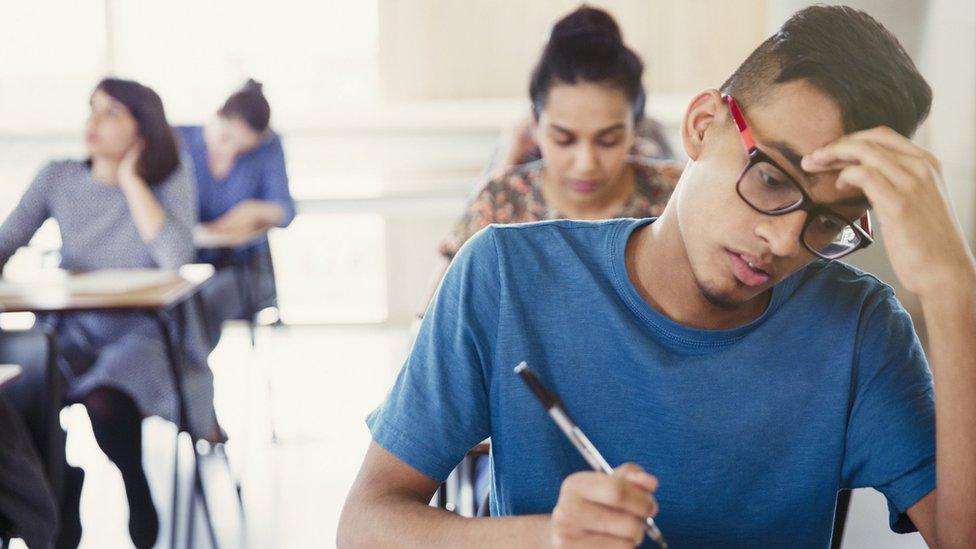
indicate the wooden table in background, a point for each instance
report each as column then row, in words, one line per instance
column 162, row 294
column 207, row 239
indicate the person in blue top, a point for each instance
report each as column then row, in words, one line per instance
column 733, row 373
column 242, row 186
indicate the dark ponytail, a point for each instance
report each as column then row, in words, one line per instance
column 250, row 105
column 586, row 46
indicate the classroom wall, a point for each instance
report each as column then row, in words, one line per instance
column 443, row 49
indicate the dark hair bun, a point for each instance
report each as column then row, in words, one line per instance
column 250, row 105
column 587, row 46
column 587, row 24
column 252, row 86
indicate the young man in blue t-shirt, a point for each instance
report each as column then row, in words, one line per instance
column 735, row 375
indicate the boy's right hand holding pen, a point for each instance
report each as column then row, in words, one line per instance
column 599, row 510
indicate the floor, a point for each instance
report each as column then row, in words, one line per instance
column 324, row 381
column 293, row 489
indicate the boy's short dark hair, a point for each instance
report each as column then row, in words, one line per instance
column 848, row 55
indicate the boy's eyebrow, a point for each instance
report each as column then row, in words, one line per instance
column 793, row 158
column 859, row 201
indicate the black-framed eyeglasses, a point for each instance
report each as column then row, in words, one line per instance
column 769, row 189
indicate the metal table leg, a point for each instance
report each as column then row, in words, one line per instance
column 245, row 288
column 174, row 351
column 248, row 301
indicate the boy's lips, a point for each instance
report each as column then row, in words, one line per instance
column 749, row 271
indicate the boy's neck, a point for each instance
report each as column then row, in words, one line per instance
column 658, row 267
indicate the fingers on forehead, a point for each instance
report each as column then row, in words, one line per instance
column 889, row 138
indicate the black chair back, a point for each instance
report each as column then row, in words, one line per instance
column 38, row 394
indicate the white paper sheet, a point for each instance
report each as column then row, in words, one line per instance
column 103, row 281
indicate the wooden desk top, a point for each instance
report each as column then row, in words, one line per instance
column 110, row 289
column 207, row 239
column 8, row 373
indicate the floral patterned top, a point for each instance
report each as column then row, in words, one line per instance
column 516, row 197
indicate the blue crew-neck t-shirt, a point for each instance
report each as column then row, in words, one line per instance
column 751, row 431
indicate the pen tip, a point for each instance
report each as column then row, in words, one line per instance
column 521, row 366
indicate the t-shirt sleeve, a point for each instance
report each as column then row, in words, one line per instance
column 891, row 428
column 438, row 407
column 274, row 181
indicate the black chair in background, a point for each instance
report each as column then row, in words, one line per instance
column 258, row 289
column 38, row 394
column 28, row 507
column 36, row 397
column 458, row 492
column 257, row 292
column 840, row 518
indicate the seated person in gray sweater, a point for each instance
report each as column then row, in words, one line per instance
column 131, row 204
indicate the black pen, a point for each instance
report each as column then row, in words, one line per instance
column 564, row 421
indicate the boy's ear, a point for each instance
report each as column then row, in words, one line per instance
column 707, row 107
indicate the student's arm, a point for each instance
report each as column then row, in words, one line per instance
column 27, row 217
column 273, row 208
column 147, row 214
column 388, row 506
column 274, row 186
column 931, row 259
column 950, row 317
column 164, row 214
column 250, row 215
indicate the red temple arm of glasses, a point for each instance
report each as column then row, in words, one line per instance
column 740, row 122
column 866, row 223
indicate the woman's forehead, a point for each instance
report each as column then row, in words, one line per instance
column 101, row 96
column 586, row 104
